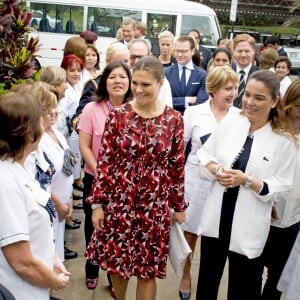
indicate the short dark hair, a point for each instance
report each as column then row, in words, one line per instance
column 224, row 50
column 101, row 92
column 283, row 59
column 272, row 40
column 187, row 38
column 197, row 31
column 20, row 118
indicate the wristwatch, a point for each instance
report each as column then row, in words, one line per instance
column 249, row 182
column 94, row 206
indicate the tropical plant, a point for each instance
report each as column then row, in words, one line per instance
column 17, row 50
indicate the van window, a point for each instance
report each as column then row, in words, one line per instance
column 157, row 23
column 202, row 24
column 55, row 18
column 107, row 21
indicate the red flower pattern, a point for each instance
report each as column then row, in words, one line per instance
column 140, row 176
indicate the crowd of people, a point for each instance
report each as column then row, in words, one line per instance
column 208, row 140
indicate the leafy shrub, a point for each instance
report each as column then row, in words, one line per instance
column 17, row 49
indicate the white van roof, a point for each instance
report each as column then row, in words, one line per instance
column 161, row 6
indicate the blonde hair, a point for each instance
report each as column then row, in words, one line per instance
column 218, row 77
column 53, row 75
column 41, row 92
column 129, row 21
column 119, row 35
column 268, row 58
column 244, row 37
column 142, row 27
column 166, row 34
column 115, row 49
column 227, row 43
column 290, row 99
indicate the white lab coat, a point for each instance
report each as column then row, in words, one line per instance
column 272, row 159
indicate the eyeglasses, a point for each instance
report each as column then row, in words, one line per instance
column 134, row 57
column 183, row 51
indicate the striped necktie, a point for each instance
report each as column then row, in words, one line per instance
column 242, row 84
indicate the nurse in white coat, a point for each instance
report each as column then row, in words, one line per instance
column 286, row 211
column 54, row 145
column 243, row 159
column 199, row 122
column 27, row 266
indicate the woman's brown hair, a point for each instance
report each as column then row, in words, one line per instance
column 20, row 118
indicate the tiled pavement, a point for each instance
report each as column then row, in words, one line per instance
column 166, row 289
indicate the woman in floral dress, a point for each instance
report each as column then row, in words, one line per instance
column 139, row 179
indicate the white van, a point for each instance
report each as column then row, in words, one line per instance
column 105, row 16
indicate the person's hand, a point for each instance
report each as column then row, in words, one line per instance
column 191, row 99
column 63, row 281
column 179, row 216
column 62, row 209
column 59, row 267
column 98, row 218
column 231, row 178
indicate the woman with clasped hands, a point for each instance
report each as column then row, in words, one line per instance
column 28, row 265
column 139, row 178
column 250, row 160
column 199, row 122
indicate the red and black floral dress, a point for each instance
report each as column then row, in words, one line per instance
column 140, row 176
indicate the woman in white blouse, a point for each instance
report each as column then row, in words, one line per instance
column 27, row 258
column 286, row 211
column 91, row 65
column 199, row 122
column 250, row 161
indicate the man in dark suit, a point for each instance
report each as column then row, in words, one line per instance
column 274, row 42
column 187, row 81
column 243, row 53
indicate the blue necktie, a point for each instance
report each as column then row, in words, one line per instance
column 183, row 80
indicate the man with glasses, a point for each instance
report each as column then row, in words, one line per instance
column 186, row 79
column 142, row 47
